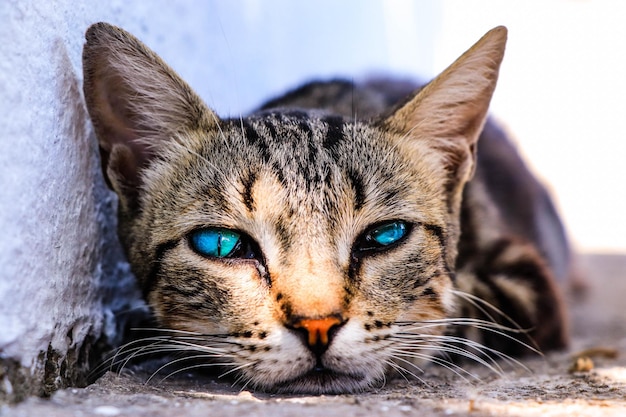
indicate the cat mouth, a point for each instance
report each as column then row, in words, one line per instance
column 320, row 380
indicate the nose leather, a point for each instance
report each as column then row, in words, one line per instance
column 318, row 329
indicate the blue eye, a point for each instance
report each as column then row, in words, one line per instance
column 215, row 242
column 388, row 233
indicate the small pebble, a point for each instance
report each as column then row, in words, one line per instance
column 581, row 364
column 107, row 410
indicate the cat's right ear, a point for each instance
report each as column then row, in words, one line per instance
column 447, row 115
column 136, row 102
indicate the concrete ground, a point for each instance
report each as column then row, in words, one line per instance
column 589, row 380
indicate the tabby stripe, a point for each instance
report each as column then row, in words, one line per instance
column 246, row 195
column 514, row 312
column 306, row 129
column 250, row 133
column 313, row 151
column 283, row 235
column 253, row 138
column 503, row 301
column 356, row 180
column 429, row 292
column 269, row 125
column 439, row 234
column 186, row 291
column 497, row 249
column 525, row 269
column 334, row 131
column 390, row 197
column 155, row 269
column 530, row 271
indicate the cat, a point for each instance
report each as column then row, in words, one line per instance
column 341, row 233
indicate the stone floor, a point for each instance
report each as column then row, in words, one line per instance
column 548, row 387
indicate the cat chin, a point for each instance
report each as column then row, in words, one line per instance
column 322, row 382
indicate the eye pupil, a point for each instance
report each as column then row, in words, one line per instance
column 388, row 233
column 215, row 242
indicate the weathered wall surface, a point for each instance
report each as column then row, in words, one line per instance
column 58, row 254
column 63, row 282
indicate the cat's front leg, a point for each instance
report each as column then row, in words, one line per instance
column 509, row 283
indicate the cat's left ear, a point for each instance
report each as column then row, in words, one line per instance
column 446, row 117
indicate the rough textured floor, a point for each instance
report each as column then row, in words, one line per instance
column 548, row 389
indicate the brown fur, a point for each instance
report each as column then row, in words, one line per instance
column 310, row 307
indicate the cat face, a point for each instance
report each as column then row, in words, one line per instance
column 306, row 230
column 296, row 248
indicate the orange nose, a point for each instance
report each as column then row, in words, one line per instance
column 318, row 329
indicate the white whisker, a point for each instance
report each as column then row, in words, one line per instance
column 236, row 369
column 400, row 370
column 171, row 341
column 483, row 305
column 183, row 359
column 443, row 347
column 197, row 366
column 456, row 369
column 403, row 370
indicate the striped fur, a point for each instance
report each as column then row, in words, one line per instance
column 311, row 307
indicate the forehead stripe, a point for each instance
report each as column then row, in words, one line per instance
column 356, row 181
column 334, row 131
column 246, row 195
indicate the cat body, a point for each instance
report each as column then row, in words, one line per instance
column 314, row 246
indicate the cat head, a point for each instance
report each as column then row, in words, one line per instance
column 297, row 245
